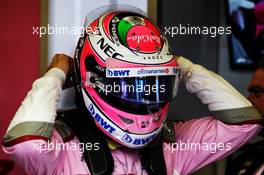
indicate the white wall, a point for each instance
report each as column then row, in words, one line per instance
column 72, row 13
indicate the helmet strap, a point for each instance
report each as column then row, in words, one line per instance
column 79, row 121
column 152, row 157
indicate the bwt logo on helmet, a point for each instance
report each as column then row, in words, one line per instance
column 138, row 141
column 100, row 120
column 117, row 73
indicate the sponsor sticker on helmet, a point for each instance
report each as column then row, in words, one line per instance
column 100, row 120
column 138, row 141
column 139, row 72
column 117, row 73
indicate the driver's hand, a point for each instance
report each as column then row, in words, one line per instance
column 61, row 61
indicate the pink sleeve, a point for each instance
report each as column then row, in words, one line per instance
column 36, row 156
column 202, row 141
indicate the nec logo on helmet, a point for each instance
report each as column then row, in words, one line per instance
column 107, row 49
column 138, row 141
column 117, row 73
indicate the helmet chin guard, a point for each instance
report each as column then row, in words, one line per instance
column 126, row 74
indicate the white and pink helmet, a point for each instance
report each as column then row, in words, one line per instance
column 126, row 74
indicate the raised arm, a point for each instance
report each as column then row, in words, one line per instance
column 234, row 121
column 33, row 123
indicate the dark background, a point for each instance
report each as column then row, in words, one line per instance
column 211, row 52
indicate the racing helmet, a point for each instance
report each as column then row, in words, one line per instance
column 126, row 74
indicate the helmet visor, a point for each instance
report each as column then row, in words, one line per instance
column 147, row 90
column 144, row 88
